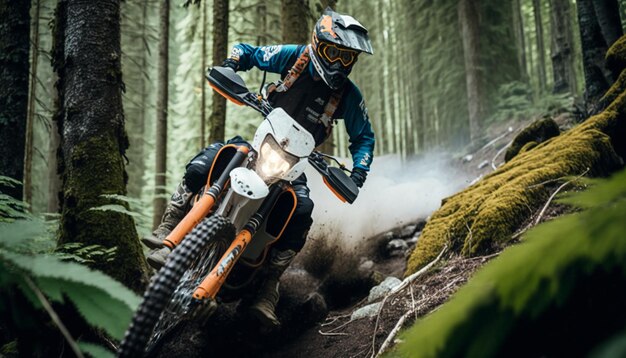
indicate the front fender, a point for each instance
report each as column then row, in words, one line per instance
column 248, row 183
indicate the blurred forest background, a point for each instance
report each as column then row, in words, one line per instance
column 103, row 102
column 422, row 92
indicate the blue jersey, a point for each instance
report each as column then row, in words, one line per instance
column 352, row 109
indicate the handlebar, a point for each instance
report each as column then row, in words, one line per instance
column 316, row 159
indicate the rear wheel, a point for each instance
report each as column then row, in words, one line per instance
column 168, row 299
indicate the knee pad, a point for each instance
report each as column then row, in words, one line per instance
column 197, row 170
column 304, row 207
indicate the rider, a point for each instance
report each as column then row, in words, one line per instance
column 315, row 91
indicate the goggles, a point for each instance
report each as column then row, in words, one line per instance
column 332, row 54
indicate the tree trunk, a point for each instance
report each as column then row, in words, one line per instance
column 607, row 13
column 295, row 21
column 597, row 77
column 54, row 180
column 14, row 52
column 541, row 50
column 203, row 67
column 220, row 50
column 28, row 148
column 468, row 18
column 518, row 24
column 562, row 47
column 160, row 175
column 136, row 67
column 93, row 139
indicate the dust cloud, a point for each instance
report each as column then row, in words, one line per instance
column 394, row 194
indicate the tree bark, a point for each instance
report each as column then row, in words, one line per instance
column 136, row 75
column 220, row 50
column 93, row 139
column 562, row 47
column 14, row 53
column 607, row 13
column 295, row 21
column 203, row 8
column 160, row 175
column 468, row 18
column 28, row 148
column 54, row 180
column 597, row 77
column 518, row 24
column 541, row 64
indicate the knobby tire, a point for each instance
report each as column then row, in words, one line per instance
column 216, row 231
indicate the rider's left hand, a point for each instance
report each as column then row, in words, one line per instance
column 358, row 176
column 230, row 63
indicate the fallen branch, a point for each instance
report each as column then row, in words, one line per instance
column 329, row 333
column 407, row 281
column 509, row 131
column 393, row 333
column 412, row 277
column 493, row 165
column 334, row 319
column 332, row 334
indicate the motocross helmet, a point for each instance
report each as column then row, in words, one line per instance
column 336, row 42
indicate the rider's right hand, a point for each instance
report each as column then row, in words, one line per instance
column 358, row 176
column 230, row 63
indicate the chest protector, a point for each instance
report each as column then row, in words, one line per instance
column 311, row 103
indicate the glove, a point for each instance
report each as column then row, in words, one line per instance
column 230, row 63
column 358, row 176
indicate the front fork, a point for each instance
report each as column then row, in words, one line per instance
column 202, row 208
column 211, row 284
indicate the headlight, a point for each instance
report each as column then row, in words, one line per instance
column 273, row 161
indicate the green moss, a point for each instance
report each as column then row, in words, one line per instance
column 616, row 56
column 95, row 168
column 528, row 146
column 558, row 294
column 484, row 216
column 539, row 131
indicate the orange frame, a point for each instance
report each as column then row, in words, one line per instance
column 211, row 284
column 199, row 211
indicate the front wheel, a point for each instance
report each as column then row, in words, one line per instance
column 168, row 298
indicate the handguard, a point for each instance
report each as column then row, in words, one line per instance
column 337, row 181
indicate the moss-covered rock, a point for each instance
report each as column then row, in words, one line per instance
column 538, row 132
column 558, row 294
column 484, row 216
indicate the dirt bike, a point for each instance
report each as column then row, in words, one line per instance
column 244, row 208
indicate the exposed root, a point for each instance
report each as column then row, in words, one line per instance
column 554, row 194
column 546, row 205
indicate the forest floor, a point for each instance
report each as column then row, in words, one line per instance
column 322, row 291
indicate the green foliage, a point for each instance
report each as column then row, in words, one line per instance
column 85, row 254
column 556, row 294
column 514, row 101
column 95, row 351
column 25, row 256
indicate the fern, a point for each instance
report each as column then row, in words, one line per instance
column 85, row 254
column 137, row 210
column 26, row 255
column 559, row 293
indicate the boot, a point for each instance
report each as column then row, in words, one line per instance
column 264, row 304
column 174, row 212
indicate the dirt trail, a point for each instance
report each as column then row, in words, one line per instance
column 324, row 287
